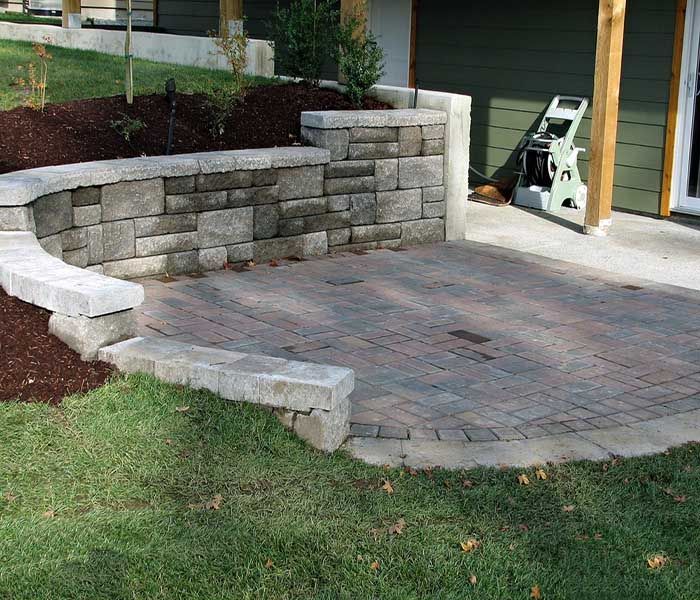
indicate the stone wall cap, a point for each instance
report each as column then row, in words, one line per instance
column 340, row 119
column 23, row 187
column 235, row 376
column 29, row 273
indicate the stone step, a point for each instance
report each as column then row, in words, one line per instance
column 298, row 386
column 310, row 399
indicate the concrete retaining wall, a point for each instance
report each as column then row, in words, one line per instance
column 374, row 179
column 160, row 47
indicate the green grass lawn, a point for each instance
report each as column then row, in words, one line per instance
column 18, row 17
column 76, row 74
column 104, row 498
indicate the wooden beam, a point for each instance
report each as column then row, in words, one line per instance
column 229, row 11
column 412, row 52
column 606, row 100
column 672, row 118
column 354, row 8
column 68, row 8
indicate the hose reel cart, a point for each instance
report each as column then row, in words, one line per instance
column 549, row 174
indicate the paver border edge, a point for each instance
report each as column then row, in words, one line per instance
column 637, row 439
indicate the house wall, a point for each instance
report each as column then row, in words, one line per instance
column 197, row 17
column 102, row 10
column 511, row 62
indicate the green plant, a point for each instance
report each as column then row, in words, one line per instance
column 37, row 80
column 233, row 46
column 303, row 36
column 222, row 102
column 359, row 56
column 127, row 127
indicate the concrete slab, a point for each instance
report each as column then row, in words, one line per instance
column 665, row 251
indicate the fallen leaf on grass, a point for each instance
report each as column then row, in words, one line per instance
column 269, row 564
column 466, row 483
column 597, row 536
column 523, row 479
column 374, row 566
column 398, row 527
column 676, row 497
column 49, row 514
column 657, row 562
column 472, row 579
column 182, row 409
column 536, row 592
column 568, row 508
column 470, row 545
column 387, row 487
column 9, row 496
column 411, row 471
column 540, row 474
column 523, row 527
column 168, row 442
column 213, row 504
column 250, row 264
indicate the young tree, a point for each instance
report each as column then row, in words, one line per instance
column 128, row 53
column 303, row 37
column 359, row 56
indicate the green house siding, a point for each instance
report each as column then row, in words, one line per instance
column 197, row 17
column 512, row 57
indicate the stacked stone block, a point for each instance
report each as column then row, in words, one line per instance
column 375, row 181
column 387, row 167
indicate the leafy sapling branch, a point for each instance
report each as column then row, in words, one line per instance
column 359, row 56
column 303, row 37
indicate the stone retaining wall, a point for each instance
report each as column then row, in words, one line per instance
column 375, row 179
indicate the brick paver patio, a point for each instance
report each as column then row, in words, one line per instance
column 456, row 341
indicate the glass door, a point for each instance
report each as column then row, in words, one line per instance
column 689, row 148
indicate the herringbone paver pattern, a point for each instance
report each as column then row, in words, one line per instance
column 456, row 341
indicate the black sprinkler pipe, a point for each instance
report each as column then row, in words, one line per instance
column 170, row 93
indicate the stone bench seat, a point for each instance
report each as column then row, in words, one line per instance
column 310, row 399
column 29, row 273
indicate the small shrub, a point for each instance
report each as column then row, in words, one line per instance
column 37, row 79
column 232, row 45
column 221, row 103
column 127, row 127
column 359, row 56
column 303, row 36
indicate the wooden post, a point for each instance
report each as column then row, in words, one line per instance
column 129, row 54
column 606, row 99
column 353, row 8
column 230, row 15
column 412, row 51
column 672, row 119
column 70, row 11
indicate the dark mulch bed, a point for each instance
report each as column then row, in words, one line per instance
column 36, row 366
column 81, row 130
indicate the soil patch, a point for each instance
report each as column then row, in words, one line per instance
column 82, row 130
column 36, row 366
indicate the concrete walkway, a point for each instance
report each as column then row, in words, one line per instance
column 462, row 352
column 667, row 251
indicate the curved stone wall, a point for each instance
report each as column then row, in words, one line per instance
column 374, row 179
